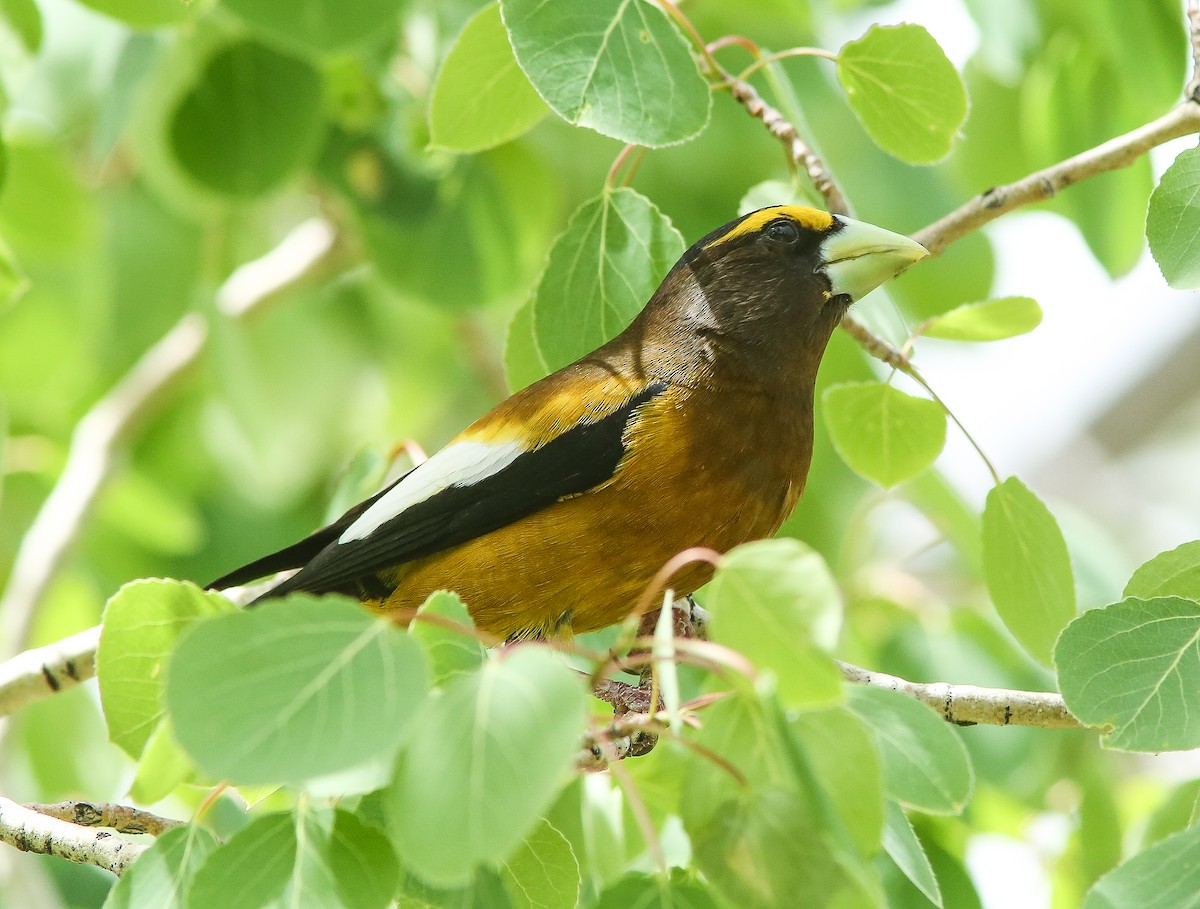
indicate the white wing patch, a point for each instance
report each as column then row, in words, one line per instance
column 458, row 464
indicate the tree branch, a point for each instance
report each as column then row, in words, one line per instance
column 120, row 818
column 43, row 671
column 970, row 705
column 1181, row 120
column 112, row 421
column 30, row 831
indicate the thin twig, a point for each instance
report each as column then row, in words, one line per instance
column 799, row 151
column 969, row 705
column 121, row 818
column 110, row 424
column 1114, row 154
column 30, row 831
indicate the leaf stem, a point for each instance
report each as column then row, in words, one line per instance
column 784, row 55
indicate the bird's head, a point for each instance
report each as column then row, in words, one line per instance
column 762, row 294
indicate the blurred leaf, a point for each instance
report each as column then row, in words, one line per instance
column 338, row 690
column 45, row 212
column 1134, row 666
column 1165, row 876
column 909, row 97
column 318, row 25
column 448, row 652
column 884, row 434
column 523, row 362
column 616, row 66
column 766, row 850
column 327, row 859
column 925, row 765
column 777, row 192
column 464, row 240
column 962, row 273
column 25, row 20
column 650, row 891
column 901, row 844
column 846, row 763
column 481, row 97
column 143, row 622
column 159, row 519
column 483, row 762
column 161, row 876
column 144, row 14
column 776, row 603
column 249, row 122
column 1026, row 567
column 991, row 320
column 1058, row 119
column 1175, row 573
column 162, row 766
column 1173, row 221
column 1177, row 812
column 542, row 873
column 616, row 250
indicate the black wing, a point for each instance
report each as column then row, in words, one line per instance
column 575, row 461
column 299, row 554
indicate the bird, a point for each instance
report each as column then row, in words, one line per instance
column 693, row 427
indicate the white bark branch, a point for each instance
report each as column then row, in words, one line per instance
column 108, row 427
column 43, row 671
column 969, row 705
column 32, row 832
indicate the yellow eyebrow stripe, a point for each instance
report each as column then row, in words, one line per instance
column 805, row 217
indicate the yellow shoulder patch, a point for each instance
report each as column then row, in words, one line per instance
column 805, row 217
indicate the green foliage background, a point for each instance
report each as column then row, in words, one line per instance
column 150, row 148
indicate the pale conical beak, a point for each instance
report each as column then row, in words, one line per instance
column 860, row 256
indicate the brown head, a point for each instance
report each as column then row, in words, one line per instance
column 754, row 302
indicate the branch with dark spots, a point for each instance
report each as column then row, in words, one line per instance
column 31, row 831
column 1181, row 120
column 121, row 818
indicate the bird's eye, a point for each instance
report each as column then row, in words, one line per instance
column 783, row 230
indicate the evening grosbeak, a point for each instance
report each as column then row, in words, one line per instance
column 692, row 427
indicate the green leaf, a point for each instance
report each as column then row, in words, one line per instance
column 161, row 876
column 884, row 434
column 925, row 765
column 776, row 603
column 1135, row 666
column 1165, row 876
column 901, row 844
column 1026, row 567
column 991, row 320
column 776, row 192
column 1173, row 221
column 1169, row 574
column 481, row 97
column 616, row 66
column 846, row 763
column 601, row 271
column 523, row 361
column 162, row 766
column 484, row 761
column 908, row 96
column 144, row 14
column 251, row 869
column 24, row 18
column 542, row 873
column 293, row 690
column 318, row 25
column 649, row 891
column 329, row 859
column 143, row 622
column 766, row 850
column 249, row 122
column 448, row 652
